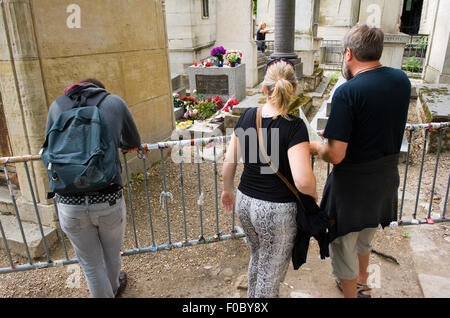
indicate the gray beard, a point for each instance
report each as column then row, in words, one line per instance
column 346, row 72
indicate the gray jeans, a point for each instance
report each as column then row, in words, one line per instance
column 96, row 232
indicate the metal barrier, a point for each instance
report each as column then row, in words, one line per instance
column 414, row 55
column 332, row 54
column 235, row 231
column 270, row 46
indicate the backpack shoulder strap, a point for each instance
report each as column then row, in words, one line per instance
column 267, row 158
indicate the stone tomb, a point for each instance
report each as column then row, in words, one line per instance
column 225, row 82
column 433, row 106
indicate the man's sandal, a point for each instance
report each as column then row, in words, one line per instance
column 360, row 288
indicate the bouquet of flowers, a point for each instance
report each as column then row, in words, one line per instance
column 234, row 57
column 203, row 108
column 177, row 102
column 218, row 52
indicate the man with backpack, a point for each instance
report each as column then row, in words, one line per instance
column 85, row 128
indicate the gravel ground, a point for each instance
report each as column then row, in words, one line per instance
column 212, row 270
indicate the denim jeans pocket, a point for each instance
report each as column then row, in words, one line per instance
column 69, row 224
column 112, row 220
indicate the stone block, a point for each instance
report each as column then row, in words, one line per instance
column 6, row 205
column 231, row 120
column 33, row 237
column 321, row 123
column 231, row 85
column 154, row 118
column 179, row 112
column 131, row 20
column 310, row 83
column 307, row 58
column 28, row 213
column 432, row 106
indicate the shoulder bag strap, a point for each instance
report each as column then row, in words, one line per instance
column 267, row 158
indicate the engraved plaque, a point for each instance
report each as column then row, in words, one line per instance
column 212, row 84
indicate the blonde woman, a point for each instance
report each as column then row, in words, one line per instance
column 264, row 204
column 261, row 36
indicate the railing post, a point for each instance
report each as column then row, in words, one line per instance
column 19, row 221
column 435, row 172
column 147, row 194
column 165, row 194
column 130, row 200
column 421, row 171
column 36, row 210
column 406, row 173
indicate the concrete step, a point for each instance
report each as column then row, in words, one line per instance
column 431, row 256
column 320, row 90
column 180, row 91
column 6, row 205
column 33, row 237
column 249, row 102
column 176, row 81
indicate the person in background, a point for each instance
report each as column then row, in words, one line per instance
column 265, row 206
column 95, row 222
column 364, row 132
column 261, row 36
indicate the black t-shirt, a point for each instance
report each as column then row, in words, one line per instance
column 258, row 180
column 369, row 112
column 260, row 36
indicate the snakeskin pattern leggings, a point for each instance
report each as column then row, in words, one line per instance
column 270, row 229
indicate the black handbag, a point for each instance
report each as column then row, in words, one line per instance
column 311, row 220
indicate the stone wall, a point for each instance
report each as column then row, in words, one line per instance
column 191, row 36
column 236, row 33
column 122, row 43
column 337, row 17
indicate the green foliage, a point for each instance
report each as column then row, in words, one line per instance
column 206, row 109
column 255, row 7
column 233, row 57
column 137, row 178
column 334, row 77
column 422, row 43
column 412, row 65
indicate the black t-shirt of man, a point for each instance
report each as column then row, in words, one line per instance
column 258, row 180
column 369, row 112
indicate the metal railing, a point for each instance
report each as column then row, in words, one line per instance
column 270, row 46
column 414, row 55
column 169, row 185
column 332, row 54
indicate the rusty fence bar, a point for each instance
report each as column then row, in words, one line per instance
column 203, row 238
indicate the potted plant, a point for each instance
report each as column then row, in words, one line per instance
column 234, row 58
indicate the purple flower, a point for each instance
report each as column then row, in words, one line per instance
column 220, row 50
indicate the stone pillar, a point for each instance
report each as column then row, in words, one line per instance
column 437, row 67
column 385, row 14
column 24, row 99
column 284, row 29
column 307, row 44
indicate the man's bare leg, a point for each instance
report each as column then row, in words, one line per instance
column 349, row 288
column 363, row 274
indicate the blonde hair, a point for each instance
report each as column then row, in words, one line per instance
column 261, row 24
column 280, row 81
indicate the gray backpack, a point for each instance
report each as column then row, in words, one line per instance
column 79, row 153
